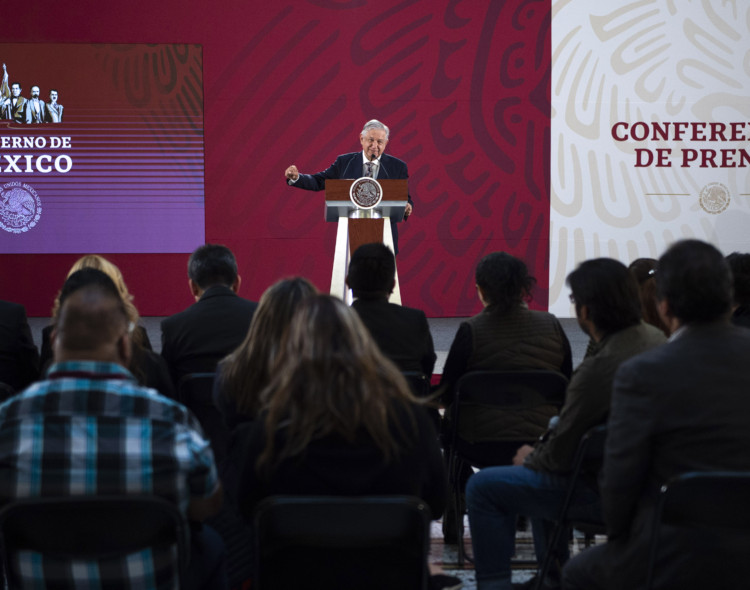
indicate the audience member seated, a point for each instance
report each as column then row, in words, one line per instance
column 338, row 419
column 608, row 310
column 681, row 407
column 245, row 373
column 19, row 357
column 506, row 335
column 196, row 339
column 739, row 264
column 402, row 333
column 90, row 397
column 148, row 367
column 644, row 271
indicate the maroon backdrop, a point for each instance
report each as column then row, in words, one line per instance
column 464, row 86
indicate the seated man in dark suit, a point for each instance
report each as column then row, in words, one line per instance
column 19, row 357
column 402, row 333
column 680, row 407
column 372, row 161
column 196, row 339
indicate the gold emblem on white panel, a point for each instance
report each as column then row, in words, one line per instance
column 714, row 198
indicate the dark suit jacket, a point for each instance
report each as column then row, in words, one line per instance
column 402, row 333
column 350, row 166
column 196, row 339
column 19, row 358
column 683, row 406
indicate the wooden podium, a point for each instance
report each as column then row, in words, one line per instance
column 362, row 226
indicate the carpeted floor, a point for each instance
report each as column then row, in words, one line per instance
column 523, row 564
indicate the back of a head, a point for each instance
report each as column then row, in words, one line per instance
column 328, row 359
column 608, row 290
column 86, row 277
column 504, row 280
column 212, row 264
column 113, row 272
column 695, row 279
column 99, row 263
column 327, row 331
column 331, row 378
column 372, row 271
column 644, row 273
column 739, row 264
column 278, row 304
column 248, row 369
column 92, row 319
column 642, row 269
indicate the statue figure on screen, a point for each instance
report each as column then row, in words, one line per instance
column 54, row 111
column 37, row 110
column 4, row 88
column 371, row 161
column 13, row 106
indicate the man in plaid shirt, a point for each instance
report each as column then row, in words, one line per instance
column 90, row 429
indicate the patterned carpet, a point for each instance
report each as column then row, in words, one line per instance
column 524, row 563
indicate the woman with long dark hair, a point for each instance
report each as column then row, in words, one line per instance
column 338, row 418
column 242, row 375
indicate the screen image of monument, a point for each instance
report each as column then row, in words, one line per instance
column 101, row 148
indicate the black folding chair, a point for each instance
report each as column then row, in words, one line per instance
column 506, row 390
column 6, row 391
column 368, row 543
column 586, row 464
column 90, row 528
column 195, row 390
column 419, row 383
column 714, row 508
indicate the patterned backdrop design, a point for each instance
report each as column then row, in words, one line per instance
column 463, row 85
column 620, row 189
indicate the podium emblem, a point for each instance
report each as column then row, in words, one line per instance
column 366, row 193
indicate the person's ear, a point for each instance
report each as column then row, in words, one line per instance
column 236, row 284
column 480, row 293
column 125, row 349
column 194, row 289
column 666, row 315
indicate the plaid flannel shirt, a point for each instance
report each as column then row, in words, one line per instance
column 90, row 429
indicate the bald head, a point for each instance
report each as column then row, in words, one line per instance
column 92, row 325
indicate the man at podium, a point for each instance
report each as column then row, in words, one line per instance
column 372, row 161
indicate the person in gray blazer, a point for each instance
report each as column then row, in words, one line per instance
column 680, row 407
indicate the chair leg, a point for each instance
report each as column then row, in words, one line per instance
column 459, row 516
column 550, row 554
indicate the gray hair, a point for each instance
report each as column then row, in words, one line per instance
column 375, row 124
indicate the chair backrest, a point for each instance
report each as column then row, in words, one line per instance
column 90, row 528
column 718, row 501
column 508, row 390
column 367, row 542
column 512, row 389
column 195, row 390
column 589, row 456
column 418, row 382
column 6, row 391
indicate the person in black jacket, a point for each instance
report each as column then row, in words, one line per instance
column 19, row 357
column 196, row 339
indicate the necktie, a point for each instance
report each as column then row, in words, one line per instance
column 368, row 169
